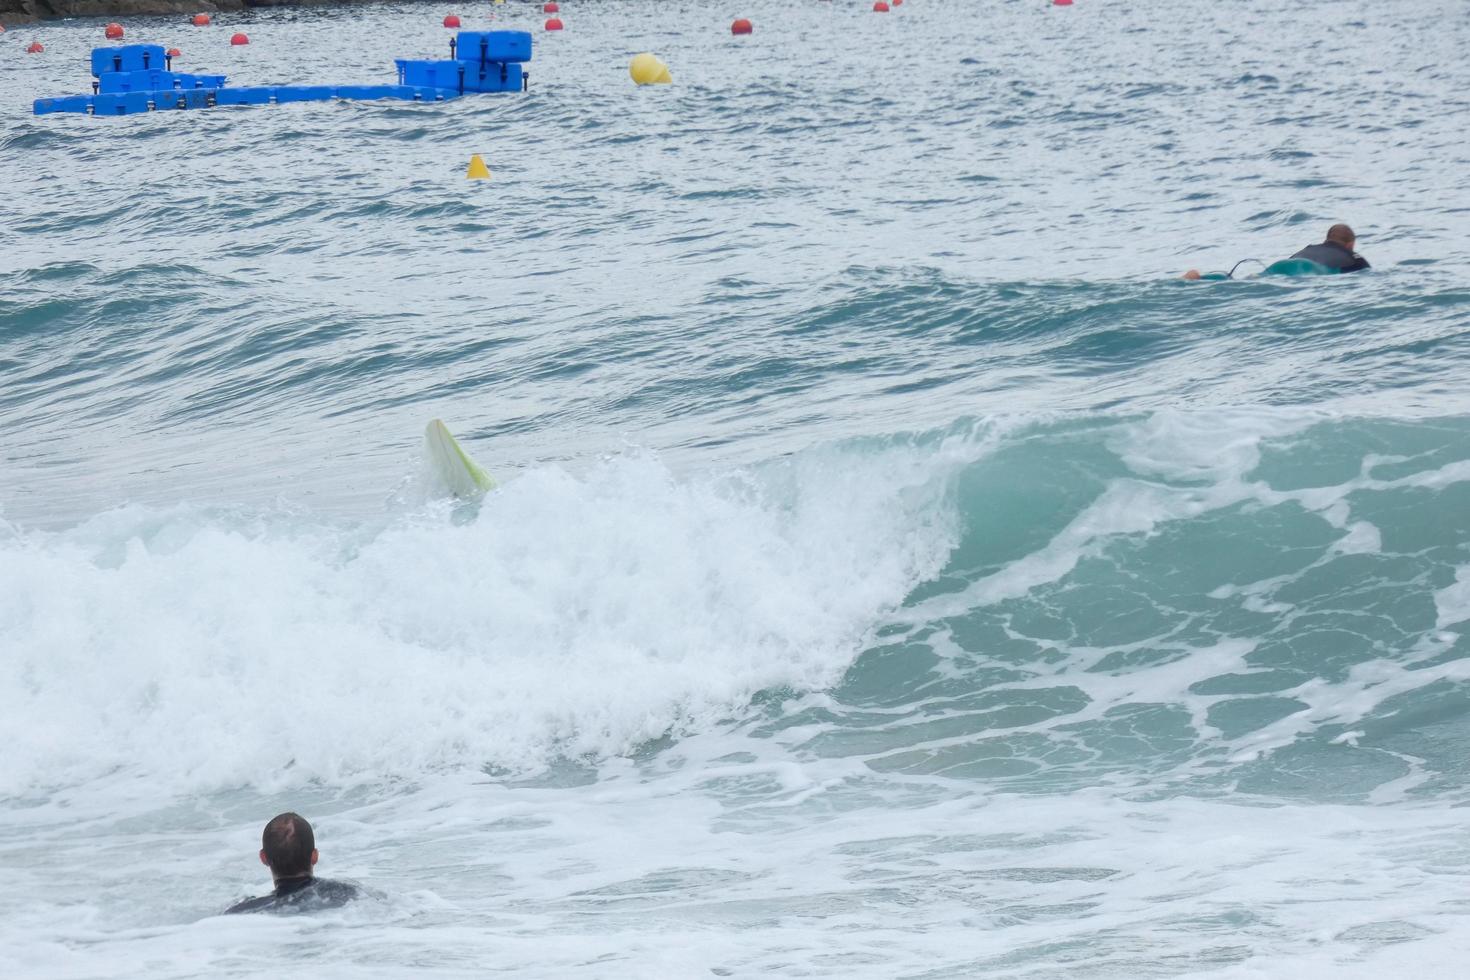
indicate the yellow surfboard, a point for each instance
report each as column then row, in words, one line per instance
column 451, row 465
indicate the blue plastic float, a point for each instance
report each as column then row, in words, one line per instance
column 140, row 78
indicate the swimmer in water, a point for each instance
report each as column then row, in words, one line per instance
column 1336, row 253
column 288, row 848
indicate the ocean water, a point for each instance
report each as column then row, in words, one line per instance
column 896, row 571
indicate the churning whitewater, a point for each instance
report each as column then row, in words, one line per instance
column 894, row 570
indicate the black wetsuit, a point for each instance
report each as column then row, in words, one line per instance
column 1334, row 256
column 300, row 895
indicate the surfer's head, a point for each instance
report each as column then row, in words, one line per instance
column 1342, row 235
column 288, row 846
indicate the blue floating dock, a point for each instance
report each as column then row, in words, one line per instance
column 137, row 78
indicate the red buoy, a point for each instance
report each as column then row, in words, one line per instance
column 200, row 20
column 898, row 3
column 741, row 26
column 239, row 39
column 173, row 52
column 1061, row 3
column 554, row 24
column 452, row 20
column 113, row 32
column 552, row 8
column 880, row 7
column 35, row 48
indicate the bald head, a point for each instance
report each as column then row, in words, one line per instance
column 1342, row 235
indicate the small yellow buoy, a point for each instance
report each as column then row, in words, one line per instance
column 478, row 170
column 648, row 70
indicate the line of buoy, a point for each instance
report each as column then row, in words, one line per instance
column 645, row 68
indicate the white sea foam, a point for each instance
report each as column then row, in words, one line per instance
column 572, row 615
column 1453, row 601
column 667, row 873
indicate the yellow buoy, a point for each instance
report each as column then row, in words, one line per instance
column 478, row 170
column 648, row 70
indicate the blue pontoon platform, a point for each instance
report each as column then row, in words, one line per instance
column 140, row 78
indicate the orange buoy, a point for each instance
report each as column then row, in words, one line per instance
column 554, row 24
column 238, row 39
column 35, row 48
column 880, row 7
column 173, row 52
column 452, row 20
column 552, row 8
column 898, row 3
column 200, row 20
column 741, row 26
column 113, row 31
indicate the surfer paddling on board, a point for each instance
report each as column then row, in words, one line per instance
column 288, row 848
column 1334, row 254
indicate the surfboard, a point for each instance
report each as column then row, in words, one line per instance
column 1298, row 267
column 1284, row 267
column 451, row 465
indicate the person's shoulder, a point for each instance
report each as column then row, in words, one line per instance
column 318, row 893
column 322, row 893
column 326, row 886
column 252, row 905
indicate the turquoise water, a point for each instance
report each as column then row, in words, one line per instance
column 896, row 570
